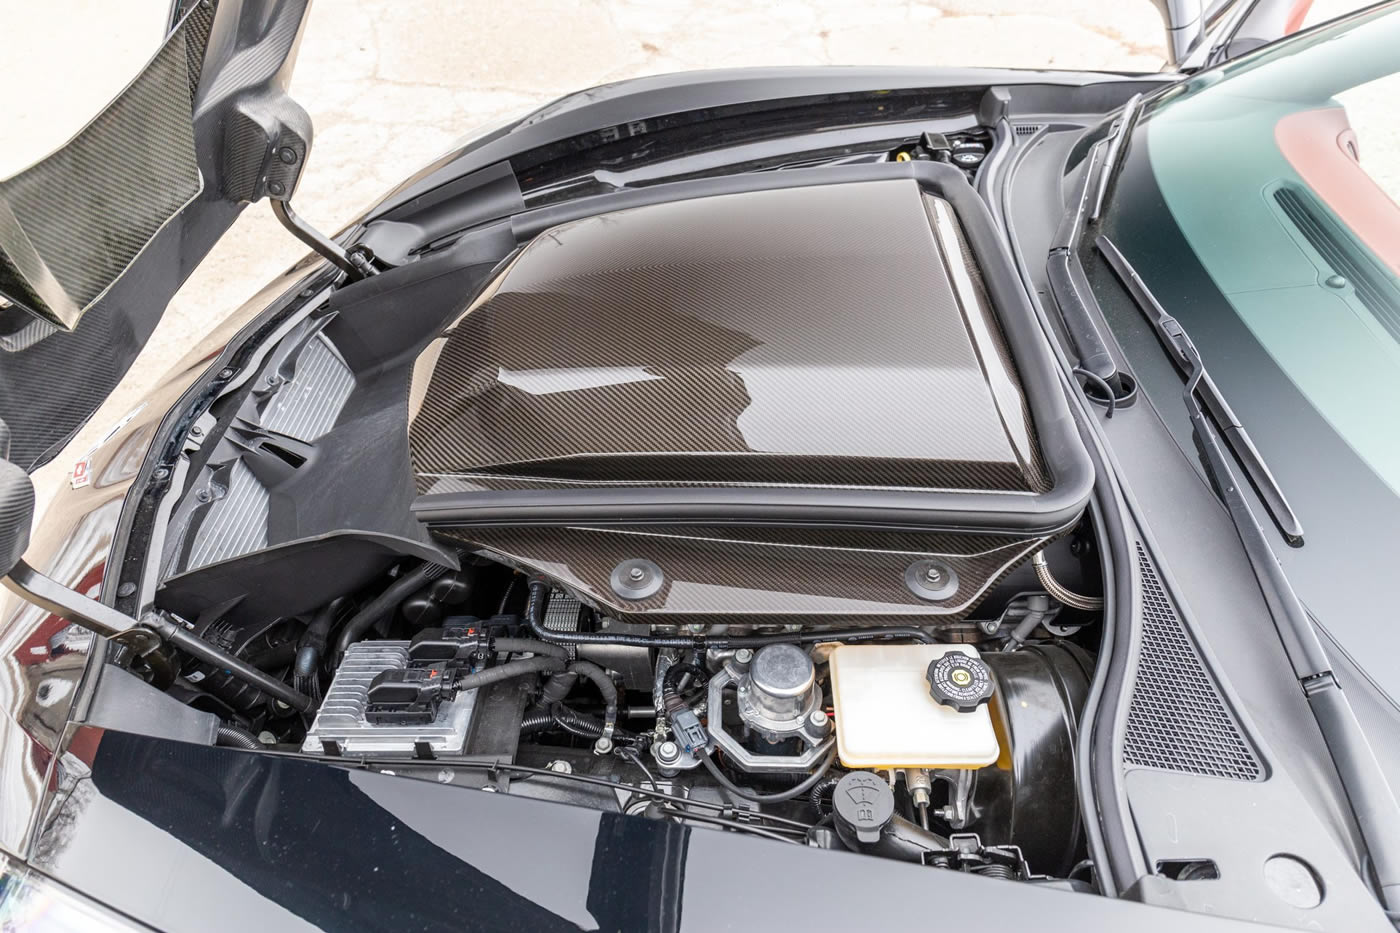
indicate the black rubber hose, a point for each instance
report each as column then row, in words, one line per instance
column 236, row 737
column 534, row 617
column 818, row 798
column 570, row 721
column 1036, row 608
column 312, row 643
column 531, row 645
column 507, row 671
column 805, row 787
column 605, row 686
column 387, row 601
column 556, row 688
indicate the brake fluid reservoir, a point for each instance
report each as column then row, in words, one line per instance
column 912, row 706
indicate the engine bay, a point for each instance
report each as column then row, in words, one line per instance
column 759, row 510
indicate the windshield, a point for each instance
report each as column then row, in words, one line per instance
column 1259, row 203
column 1296, row 220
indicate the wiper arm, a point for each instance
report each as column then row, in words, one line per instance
column 1171, row 333
column 1364, row 784
column 1115, row 146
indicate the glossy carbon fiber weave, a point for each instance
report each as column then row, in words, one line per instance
column 728, row 573
column 804, row 336
column 61, row 244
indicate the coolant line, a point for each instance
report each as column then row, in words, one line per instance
column 1052, row 586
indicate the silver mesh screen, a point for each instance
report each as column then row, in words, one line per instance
column 1177, row 719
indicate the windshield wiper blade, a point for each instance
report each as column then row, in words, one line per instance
column 1171, row 333
column 1115, row 146
column 1364, row 784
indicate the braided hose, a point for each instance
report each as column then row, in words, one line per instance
column 1058, row 592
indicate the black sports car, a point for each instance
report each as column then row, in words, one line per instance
column 788, row 498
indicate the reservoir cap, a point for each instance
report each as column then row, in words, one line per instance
column 960, row 681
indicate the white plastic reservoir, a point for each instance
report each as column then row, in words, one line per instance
column 886, row 718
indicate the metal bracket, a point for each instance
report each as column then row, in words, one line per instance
column 354, row 263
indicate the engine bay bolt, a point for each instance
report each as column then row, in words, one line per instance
column 668, row 752
column 196, row 431
column 160, row 474
column 560, row 766
column 203, row 495
column 126, row 589
column 445, row 776
column 636, row 578
column 818, row 718
column 931, row 579
column 743, row 656
column 225, row 373
column 287, row 155
column 603, row 746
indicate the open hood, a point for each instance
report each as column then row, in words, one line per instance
column 97, row 237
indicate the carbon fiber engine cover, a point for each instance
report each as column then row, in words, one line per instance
column 791, row 402
column 795, row 336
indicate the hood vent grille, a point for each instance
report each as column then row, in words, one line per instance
column 1177, row 720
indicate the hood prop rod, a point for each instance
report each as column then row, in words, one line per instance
column 358, row 263
column 142, row 635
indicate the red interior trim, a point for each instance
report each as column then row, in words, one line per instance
column 1322, row 148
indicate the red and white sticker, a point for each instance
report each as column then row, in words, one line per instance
column 82, row 473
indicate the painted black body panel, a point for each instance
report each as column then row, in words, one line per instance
column 190, row 838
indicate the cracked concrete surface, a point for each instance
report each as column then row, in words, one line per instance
column 391, row 84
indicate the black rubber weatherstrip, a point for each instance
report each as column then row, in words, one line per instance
column 1018, row 513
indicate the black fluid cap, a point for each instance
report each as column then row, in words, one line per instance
column 960, row 681
column 863, row 805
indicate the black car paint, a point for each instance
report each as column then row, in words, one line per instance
column 867, row 890
column 220, row 839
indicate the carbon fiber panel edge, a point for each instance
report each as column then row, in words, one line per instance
column 726, row 573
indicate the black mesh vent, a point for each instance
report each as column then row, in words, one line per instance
column 1177, row 719
column 1029, row 129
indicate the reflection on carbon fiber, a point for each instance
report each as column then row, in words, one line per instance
column 63, row 244
column 734, row 573
column 805, row 336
